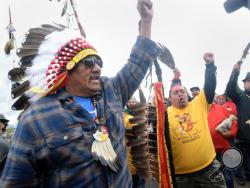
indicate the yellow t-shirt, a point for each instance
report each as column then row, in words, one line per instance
column 191, row 142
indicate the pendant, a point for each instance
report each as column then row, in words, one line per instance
column 102, row 149
column 102, row 134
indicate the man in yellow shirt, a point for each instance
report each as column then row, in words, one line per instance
column 192, row 147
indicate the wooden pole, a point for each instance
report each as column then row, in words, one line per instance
column 77, row 19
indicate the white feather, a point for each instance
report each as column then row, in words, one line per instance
column 46, row 53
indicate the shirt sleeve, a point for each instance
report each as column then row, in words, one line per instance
column 210, row 82
column 128, row 79
column 232, row 89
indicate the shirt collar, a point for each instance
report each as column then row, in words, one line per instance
column 63, row 95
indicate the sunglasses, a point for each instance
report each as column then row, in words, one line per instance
column 90, row 62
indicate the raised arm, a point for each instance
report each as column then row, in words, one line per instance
column 176, row 79
column 144, row 52
column 145, row 9
column 232, row 90
column 210, row 77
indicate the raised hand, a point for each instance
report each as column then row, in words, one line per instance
column 145, row 10
column 226, row 134
column 177, row 73
column 208, row 57
column 237, row 67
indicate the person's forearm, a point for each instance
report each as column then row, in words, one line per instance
column 234, row 78
column 231, row 88
column 210, row 82
column 145, row 28
column 129, row 78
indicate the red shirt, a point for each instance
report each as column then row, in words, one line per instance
column 216, row 115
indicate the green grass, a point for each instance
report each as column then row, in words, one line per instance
column 9, row 133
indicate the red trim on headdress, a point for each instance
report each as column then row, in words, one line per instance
column 55, row 74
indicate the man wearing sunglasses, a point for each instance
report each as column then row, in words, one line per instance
column 72, row 134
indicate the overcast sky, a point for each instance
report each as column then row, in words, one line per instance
column 187, row 27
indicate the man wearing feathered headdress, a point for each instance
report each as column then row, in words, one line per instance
column 72, row 133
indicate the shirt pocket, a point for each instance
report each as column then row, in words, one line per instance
column 64, row 137
column 69, row 148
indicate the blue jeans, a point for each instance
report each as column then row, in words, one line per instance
column 201, row 179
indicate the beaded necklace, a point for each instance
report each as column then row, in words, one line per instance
column 102, row 149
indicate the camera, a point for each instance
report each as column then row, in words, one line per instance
column 233, row 5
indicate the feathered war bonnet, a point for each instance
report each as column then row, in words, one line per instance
column 46, row 55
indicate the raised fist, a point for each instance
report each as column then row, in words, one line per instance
column 208, row 57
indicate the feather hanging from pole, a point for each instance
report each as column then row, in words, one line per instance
column 166, row 57
column 149, row 146
column 18, row 89
column 64, row 10
column 158, row 70
column 146, row 140
column 10, row 44
column 65, row 7
column 77, row 19
column 137, row 138
column 16, row 74
column 21, row 103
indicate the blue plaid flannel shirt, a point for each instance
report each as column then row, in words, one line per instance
column 52, row 142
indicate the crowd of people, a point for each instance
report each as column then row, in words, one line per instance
column 72, row 131
column 203, row 127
